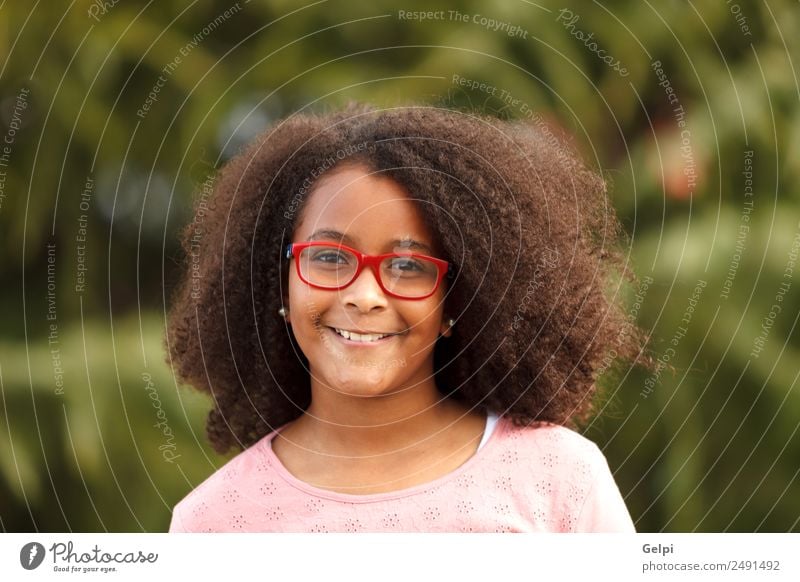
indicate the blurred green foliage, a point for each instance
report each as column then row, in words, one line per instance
column 711, row 447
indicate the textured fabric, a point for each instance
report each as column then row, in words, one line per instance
column 541, row 478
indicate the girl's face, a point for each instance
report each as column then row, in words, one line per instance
column 374, row 215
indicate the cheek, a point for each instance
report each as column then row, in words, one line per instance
column 425, row 319
column 305, row 306
column 302, row 298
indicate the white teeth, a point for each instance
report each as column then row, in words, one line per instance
column 358, row 337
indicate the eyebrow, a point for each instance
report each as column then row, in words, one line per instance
column 406, row 242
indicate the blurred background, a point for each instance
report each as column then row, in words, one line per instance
column 112, row 115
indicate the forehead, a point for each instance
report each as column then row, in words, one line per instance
column 370, row 208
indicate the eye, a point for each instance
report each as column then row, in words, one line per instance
column 406, row 265
column 331, row 256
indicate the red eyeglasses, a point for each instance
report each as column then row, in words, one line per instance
column 332, row 266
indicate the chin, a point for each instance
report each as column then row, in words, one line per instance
column 363, row 382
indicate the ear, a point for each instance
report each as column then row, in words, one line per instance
column 288, row 317
column 445, row 329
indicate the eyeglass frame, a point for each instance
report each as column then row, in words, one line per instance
column 445, row 269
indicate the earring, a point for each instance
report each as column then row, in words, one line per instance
column 283, row 311
column 450, row 323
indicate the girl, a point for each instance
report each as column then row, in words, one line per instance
column 400, row 315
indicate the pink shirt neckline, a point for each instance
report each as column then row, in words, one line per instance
column 266, row 449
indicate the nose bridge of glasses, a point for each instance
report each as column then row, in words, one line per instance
column 372, row 265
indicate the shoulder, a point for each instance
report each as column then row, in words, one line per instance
column 559, row 459
column 202, row 503
column 555, row 445
column 568, row 473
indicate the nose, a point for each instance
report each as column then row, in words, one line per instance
column 365, row 292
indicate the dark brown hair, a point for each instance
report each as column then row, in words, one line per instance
column 530, row 228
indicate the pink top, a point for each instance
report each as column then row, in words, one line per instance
column 543, row 478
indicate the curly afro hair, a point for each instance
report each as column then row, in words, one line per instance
column 529, row 227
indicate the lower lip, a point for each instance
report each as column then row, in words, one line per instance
column 380, row 342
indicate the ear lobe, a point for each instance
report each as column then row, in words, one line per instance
column 445, row 330
column 287, row 317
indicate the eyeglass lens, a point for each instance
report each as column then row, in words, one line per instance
column 335, row 267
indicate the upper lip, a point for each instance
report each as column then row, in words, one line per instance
column 362, row 332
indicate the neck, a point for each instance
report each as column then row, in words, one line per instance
column 393, row 424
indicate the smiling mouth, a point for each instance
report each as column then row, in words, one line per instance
column 366, row 338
